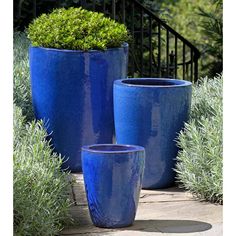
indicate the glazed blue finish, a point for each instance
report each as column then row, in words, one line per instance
column 150, row 113
column 113, row 176
column 72, row 92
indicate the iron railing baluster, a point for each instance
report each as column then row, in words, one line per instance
column 167, row 53
column 94, row 4
column 187, row 66
column 114, row 9
column 176, row 57
column 141, row 26
column 83, row 3
column 104, row 6
column 183, row 60
column 132, row 44
column 123, row 11
column 159, row 50
column 34, row 9
column 191, row 65
column 195, row 67
column 150, row 46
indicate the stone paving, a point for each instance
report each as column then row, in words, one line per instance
column 160, row 212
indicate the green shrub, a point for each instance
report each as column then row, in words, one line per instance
column 199, row 161
column 201, row 23
column 212, row 29
column 41, row 200
column 21, row 81
column 77, row 29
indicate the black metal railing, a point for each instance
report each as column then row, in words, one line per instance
column 156, row 50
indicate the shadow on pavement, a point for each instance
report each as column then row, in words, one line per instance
column 170, row 226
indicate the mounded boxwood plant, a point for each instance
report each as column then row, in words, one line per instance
column 200, row 161
column 76, row 29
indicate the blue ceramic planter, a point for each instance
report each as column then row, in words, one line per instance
column 113, row 177
column 72, row 93
column 150, row 113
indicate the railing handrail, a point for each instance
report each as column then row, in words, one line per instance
column 150, row 13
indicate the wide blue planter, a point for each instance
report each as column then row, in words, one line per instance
column 150, row 113
column 72, row 93
column 113, row 176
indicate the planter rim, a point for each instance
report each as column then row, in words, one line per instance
column 124, row 45
column 112, row 148
column 152, row 83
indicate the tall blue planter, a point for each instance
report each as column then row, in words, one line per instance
column 72, row 93
column 150, row 113
column 113, row 177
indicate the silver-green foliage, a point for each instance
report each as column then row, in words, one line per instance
column 77, row 29
column 199, row 163
column 41, row 200
column 21, row 83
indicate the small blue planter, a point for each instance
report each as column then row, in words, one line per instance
column 113, row 176
column 72, row 93
column 150, row 113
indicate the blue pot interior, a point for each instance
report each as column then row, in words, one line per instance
column 155, row 82
column 112, row 148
